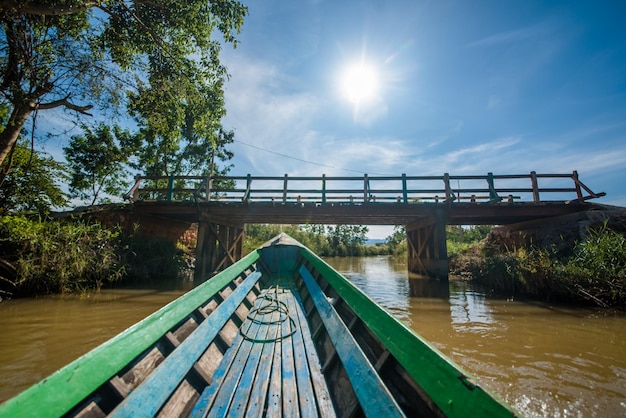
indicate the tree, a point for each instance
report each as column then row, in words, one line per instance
column 184, row 135
column 397, row 240
column 32, row 182
column 97, row 162
column 346, row 239
column 75, row 54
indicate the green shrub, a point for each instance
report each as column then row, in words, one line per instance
column 593, row 272
column 56, row 256
column 597, row 269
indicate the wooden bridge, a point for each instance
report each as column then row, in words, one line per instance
column 424, row 204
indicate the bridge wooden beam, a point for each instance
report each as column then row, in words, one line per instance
column 426, row 242
column 218, row 246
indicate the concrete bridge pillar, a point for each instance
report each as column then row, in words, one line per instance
column 426, row 242
column 218, row 246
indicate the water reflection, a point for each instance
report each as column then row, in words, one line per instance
column 424, row 287
column 391, row 286
column 543, row 360
column 469, row 311
column 378, row 278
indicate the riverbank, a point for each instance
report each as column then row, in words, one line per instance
column 580, row 261
column 576, row 260
column 43, row 256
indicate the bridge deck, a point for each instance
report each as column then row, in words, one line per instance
column 400, row 200
column 233, row 213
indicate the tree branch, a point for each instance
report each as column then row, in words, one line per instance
column 153, row 35
column 64, row 102
column 41, row 8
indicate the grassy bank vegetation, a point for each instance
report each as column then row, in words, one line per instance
column 592, row 271
column 39, row 256
column 43, row 255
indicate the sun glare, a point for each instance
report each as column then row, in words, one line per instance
column 359, row 83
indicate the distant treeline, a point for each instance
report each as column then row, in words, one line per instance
column 324, row 240
column 349, row 240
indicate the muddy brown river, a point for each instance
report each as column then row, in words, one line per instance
column 546, row 361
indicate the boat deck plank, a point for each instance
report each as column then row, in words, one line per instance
column 271, row 369
column 322, row 396
column 260, row 387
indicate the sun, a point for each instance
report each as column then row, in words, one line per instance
column 359, row 83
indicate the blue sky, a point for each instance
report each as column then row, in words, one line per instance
column 465, row 87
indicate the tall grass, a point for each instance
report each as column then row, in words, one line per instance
column 593, row 272
column 597, row 269
column 54, row 257
column 40, row 256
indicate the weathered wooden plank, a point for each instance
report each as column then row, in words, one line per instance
column 274, row 395
column 140, row 371
column 373, row 395
column 289, row 383
column 91, row 411
column 210, row 360
column 322, row 396
column 306, row 393
column 179, row 404
column 259, row 391
column 148, row 398
column 229, row 385
column 258, row 338
column 210, row 392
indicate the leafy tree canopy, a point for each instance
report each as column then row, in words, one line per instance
column 158, row 58
column 98, row 162
column 32, row 184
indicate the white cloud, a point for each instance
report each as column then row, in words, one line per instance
column 485, row 149
column 265, row 112
column 268, row 111
column 513, row 36
column 453, row 130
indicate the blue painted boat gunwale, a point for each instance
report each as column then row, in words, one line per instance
column 373, row 395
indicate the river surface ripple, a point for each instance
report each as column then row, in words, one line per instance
column 546, row 361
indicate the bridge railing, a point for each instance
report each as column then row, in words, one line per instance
column 490, row 188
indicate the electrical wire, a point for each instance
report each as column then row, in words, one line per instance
column 302, row 160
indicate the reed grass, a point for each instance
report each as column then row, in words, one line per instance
column 592, row 272
column 48, row 256
column 42, row 256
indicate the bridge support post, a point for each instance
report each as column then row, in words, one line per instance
column 218, row 246
column 426, row 242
